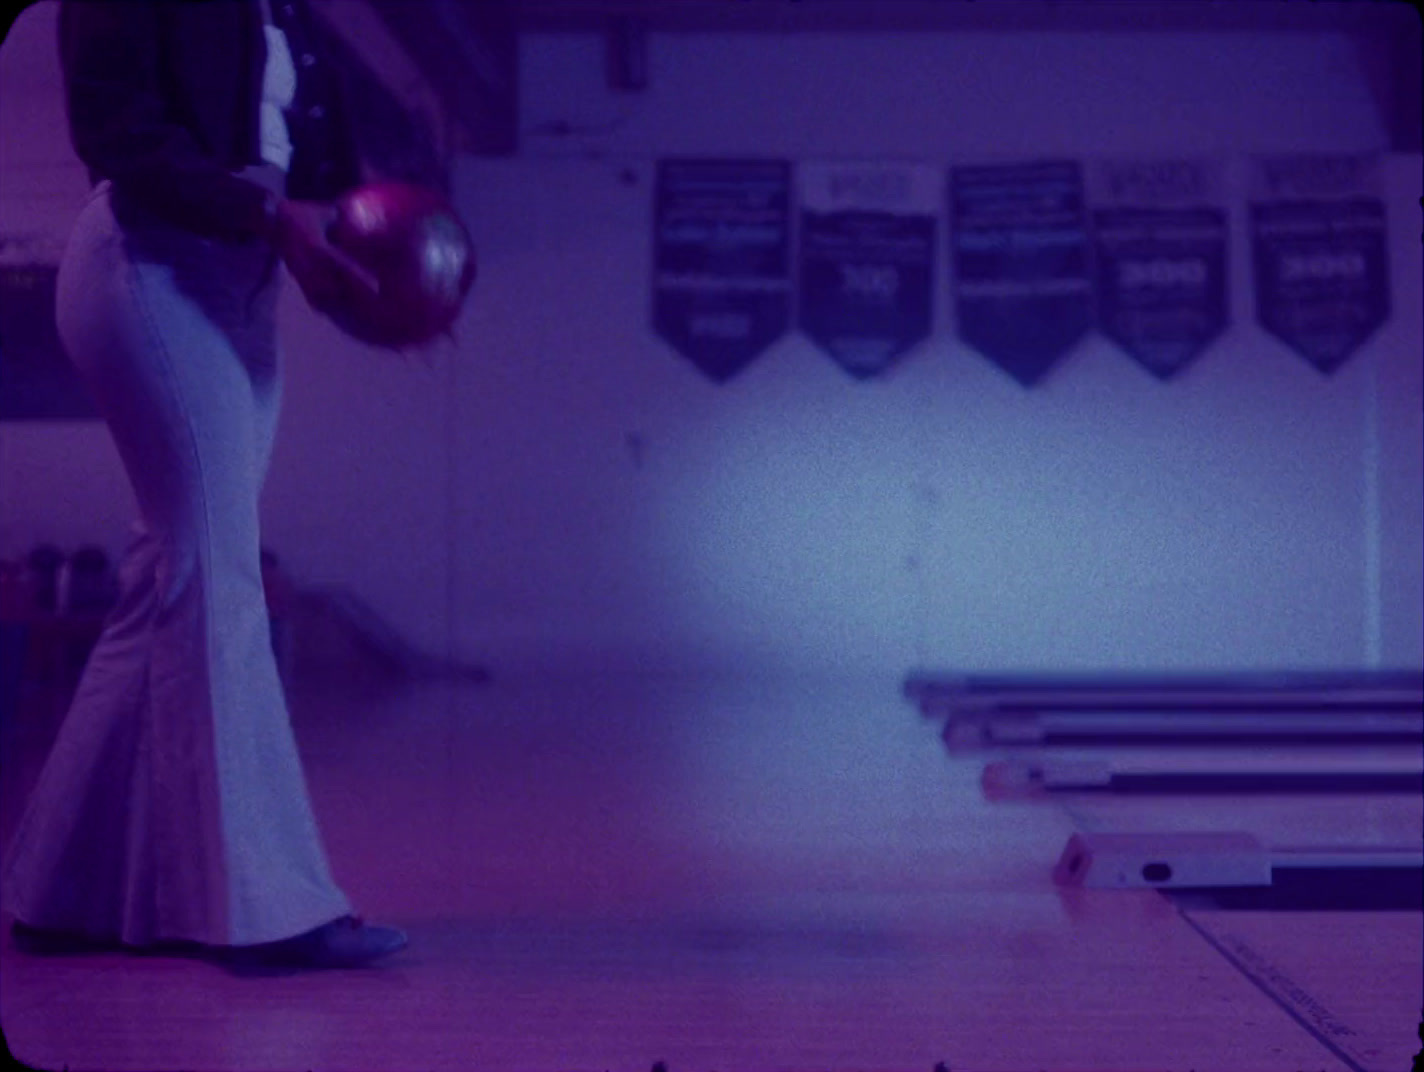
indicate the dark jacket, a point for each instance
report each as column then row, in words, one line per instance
column 164, row 98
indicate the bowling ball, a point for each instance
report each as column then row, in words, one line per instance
column 417, row 251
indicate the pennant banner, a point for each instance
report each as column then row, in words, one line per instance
column 1159, row 228
column 1320, row 254
column 867, row 245
column 1019, row 243
column 722, row 284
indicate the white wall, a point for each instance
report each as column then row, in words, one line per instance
column 562, row 489
column 946, row 516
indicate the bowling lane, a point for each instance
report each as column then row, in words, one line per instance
column 715, row 874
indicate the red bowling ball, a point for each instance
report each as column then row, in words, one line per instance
column 418, row 251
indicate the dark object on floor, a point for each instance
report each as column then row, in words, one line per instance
column 1300, row 889
column 93, row 588
column 44, row 564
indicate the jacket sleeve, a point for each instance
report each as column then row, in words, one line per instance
column 122, row 131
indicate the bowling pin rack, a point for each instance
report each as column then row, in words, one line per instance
column 1315, row 708
column 1346, row 734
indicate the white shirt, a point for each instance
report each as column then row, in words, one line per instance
column 279, row 87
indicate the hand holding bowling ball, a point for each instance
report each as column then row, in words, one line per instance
column 417, row 251
column 327, row 276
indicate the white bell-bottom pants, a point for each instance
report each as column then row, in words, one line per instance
column 173, row 804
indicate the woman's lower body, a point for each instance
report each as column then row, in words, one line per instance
column 173, row 807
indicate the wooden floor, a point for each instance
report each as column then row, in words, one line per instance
column 759, row 875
